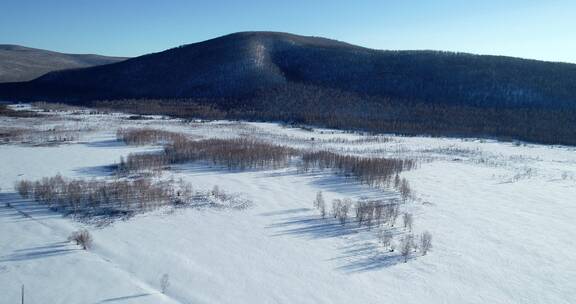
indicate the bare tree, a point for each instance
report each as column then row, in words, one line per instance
column 392, row 212
column 320, row 204
column 425, row 242
column 397, row 181
column 385, row 238
column 319, row 200
column 344, row 210
column 216, row 191
column 379, row 213
column 164, row 282
column 322, row 208
column 186, row 192
column 82, row 238
column 407, row 246
column 360, row 212
column 408, row 221
column 24, row 188
column 405, row 190
column 341, row 209
column 336, row 208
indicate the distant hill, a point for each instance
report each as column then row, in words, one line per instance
column 18, row 63
column 280, row 76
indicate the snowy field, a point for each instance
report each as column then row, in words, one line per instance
column 501, row 215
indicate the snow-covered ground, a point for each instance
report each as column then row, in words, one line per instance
column 501, row 215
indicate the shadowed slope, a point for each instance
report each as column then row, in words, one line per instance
column 18, row 63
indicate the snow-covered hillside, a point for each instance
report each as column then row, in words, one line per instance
column 501, row 215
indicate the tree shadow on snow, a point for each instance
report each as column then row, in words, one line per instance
column 360, row 252
column 39, row 252
column 15, row 209
column 203, row 167
column 118, row 299
column 350, row 187
column 109, row 143
column 287, row 211
column 330, row 181
column 363, row 256
column 94, row 171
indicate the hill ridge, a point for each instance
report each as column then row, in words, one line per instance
column 21, row 63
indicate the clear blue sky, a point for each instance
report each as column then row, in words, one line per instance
column 544, row 29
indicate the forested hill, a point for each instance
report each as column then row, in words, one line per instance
column 269, row 75
column 239, row 64
column 19, row 63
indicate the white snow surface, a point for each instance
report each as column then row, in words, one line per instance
column 502, row 216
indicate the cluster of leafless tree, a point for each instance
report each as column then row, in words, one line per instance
column 10, row 135
column 380, row 214
column 57, row 107
column 373, row 171
column 148, row 136
column 142, row 161
column 105, row 201
column 341, row 210
column 98, row 197
column 52, row 136
column 249, row 153
column 369, row 213
column 410, row 244
column 8, row 112
column 377, row 213
column 362, row 140
column 37, row 137
column 402, row 185
column 239, row 153
column 185, row 108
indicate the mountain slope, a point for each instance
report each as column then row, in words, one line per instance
column 18, row 63
column 241, row 64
